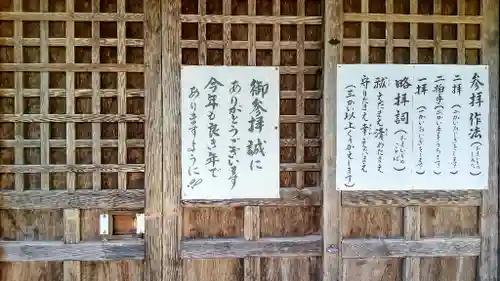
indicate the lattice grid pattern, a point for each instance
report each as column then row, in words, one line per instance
column 72, row 110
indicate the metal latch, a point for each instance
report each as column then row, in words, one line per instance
column 140, row 224
column 104, row 224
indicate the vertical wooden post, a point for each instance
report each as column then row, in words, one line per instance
column 489, row 207
column 153, row 237
column 171, row 78
column 332, row 263
column 412, row 220
column 72, row 231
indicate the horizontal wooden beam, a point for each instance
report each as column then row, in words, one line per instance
column 77, row 118
column 288, row 197
column 80, row 67
column 252, row 19
column 420, row 43
column 30, row 16
column 82, row 199
column 239, row 247
column 59, row 251
column 133, row 199
column 399, row 248
column 218, row 248
column 411, row 198
column 130, row 168
column 405, row 18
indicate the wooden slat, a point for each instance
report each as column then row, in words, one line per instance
column 399, row 248
column 252, row 19
column 59, row 251
column 374, row 17
column 19, row 100
column 83, row 67
column 81, row 199
column 87, row 42
column 72, row 269
column 224, row 248
column 420, row 43
column 437, row 34
column 102, row 67
column 154, row 188
column 55, row 93
column 72, row 118
column 96, row 95
column 82, row 168
column 251, row 229
column 44, row 98
column 134, row 199
column 217, row 248
column 105, row 17
column 252, row 268
column 488, row 261
column 171, row 158
column 259, row 45
column 411, row 198
column 122, row 99
column 411, row 227
column 332, row 211
column 61, row 143
column 71, row 217
column 289, row 196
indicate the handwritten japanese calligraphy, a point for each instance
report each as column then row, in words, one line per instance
column 412, row 127
column 230, row 132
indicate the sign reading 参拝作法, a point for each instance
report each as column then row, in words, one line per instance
column 230, row 132
column 412, row 127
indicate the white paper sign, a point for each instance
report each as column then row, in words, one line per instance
column 412, row 127
column 230, row 132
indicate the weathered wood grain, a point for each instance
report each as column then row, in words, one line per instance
column 78, row 42
column 134, row 199
column 401, row 18
column 170, row 221
column 289, row 196
column 153, row 237
column 72, row 67
column 29, row 16
column 398, row 248
column 59, row 251
column 223, row 248
column 405, row 43
column 488, row 261
column 72, row 117
column 239, row 248
column 81, row 199
column 332, row 210
column 72, row 235
column 251, row 19
column 411, row 198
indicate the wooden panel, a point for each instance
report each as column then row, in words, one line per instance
column 432, row 225
column 286, row 34
column 72, row 132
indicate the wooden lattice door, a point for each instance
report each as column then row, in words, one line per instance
column 409, row 235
